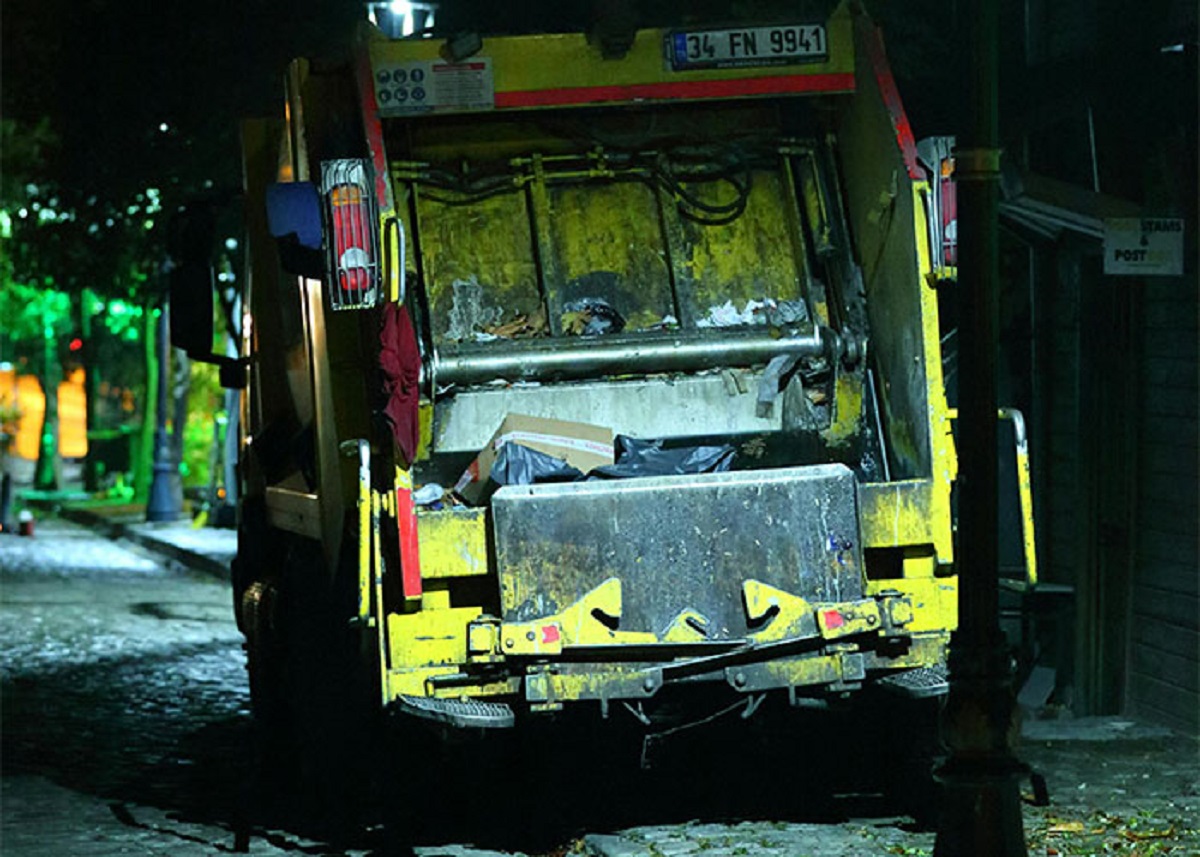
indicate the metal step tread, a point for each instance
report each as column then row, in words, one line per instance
column 462, row 712
column 919, row 683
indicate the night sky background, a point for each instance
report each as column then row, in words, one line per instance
column 108, row 74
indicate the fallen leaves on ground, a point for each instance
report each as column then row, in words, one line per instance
column 1144, row 834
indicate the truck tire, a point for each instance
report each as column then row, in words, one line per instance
column 331, row 727
column 308, row 690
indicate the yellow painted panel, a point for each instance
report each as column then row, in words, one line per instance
column 748, row 259
column 934, row 601
column 429, row 637
column 606, row 243
column 479, row 266
column 896, row 514
column 415, row 682
column 566, row 61
column 452, row 543
column 847, row 410
column 941, row 438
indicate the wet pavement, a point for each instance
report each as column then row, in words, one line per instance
column 126, row 730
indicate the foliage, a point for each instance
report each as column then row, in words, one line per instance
column 205, row 407
column 10, row 418
column 30, row 313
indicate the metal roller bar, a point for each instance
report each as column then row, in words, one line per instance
column 626, row 354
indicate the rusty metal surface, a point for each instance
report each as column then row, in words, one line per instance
column 679, row 543
column 623, row 354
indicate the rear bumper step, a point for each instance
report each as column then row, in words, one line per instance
column 460, row 713
column 921, row 683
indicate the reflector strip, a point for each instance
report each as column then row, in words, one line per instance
column 406, row 524
column 833, row 619
column 790, row 84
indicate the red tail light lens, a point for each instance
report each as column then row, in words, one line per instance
column 352, row 239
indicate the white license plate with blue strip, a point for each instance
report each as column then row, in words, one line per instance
column 747, row 46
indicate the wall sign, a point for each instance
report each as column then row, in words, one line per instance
column 1146, row 246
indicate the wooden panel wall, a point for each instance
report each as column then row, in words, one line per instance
column 1164, row 645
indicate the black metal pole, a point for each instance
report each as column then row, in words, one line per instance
column 981, row 808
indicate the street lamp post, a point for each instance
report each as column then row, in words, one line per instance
column 166, row 487
column 981, row 806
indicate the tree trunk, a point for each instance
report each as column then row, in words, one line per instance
column 143, row 466
column 91, row 390
column 49, row 463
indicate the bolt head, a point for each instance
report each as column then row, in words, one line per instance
column 740, row 679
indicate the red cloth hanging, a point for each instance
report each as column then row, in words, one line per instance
column 400, row 360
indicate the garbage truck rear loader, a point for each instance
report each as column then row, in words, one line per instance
column 582, row 375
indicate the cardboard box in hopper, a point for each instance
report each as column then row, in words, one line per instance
column 581, row 445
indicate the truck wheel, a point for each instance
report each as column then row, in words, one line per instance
column 331, row 730
column 265, row 668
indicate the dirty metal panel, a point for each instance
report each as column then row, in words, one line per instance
column 478, row 264
column 718, row 404
column 605, row 241
column 749, row 259
column 679, row 543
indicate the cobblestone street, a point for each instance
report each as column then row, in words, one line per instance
column 126, row 730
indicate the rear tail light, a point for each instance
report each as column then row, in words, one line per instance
column 352, row 234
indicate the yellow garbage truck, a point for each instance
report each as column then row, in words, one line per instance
column 593, row 372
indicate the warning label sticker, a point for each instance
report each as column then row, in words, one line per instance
column 433, row 86
column 1145, row 246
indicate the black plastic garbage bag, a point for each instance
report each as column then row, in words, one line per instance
column 520, row 465
column 591, row 317
column 650, row 458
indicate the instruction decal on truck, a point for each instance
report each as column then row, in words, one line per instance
column 434, row 86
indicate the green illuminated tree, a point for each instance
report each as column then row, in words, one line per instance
column 68, row 260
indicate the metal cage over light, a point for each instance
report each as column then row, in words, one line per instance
column 352, row 234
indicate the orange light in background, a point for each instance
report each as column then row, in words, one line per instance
column 8, row 397
column 32, row 402
column 72, row 416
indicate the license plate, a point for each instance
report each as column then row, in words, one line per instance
column 752, row 46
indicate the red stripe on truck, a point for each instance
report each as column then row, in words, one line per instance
column 789, row 84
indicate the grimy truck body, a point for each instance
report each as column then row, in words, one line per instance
column 710, row 244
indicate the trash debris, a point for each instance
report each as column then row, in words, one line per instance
column 637, row 458
column 591, row 317
column 520, row 465
column 470, row 312
column 564, row 451
column 521, row 327
column 429, row 494
column 771, row 383
column 765, row 312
